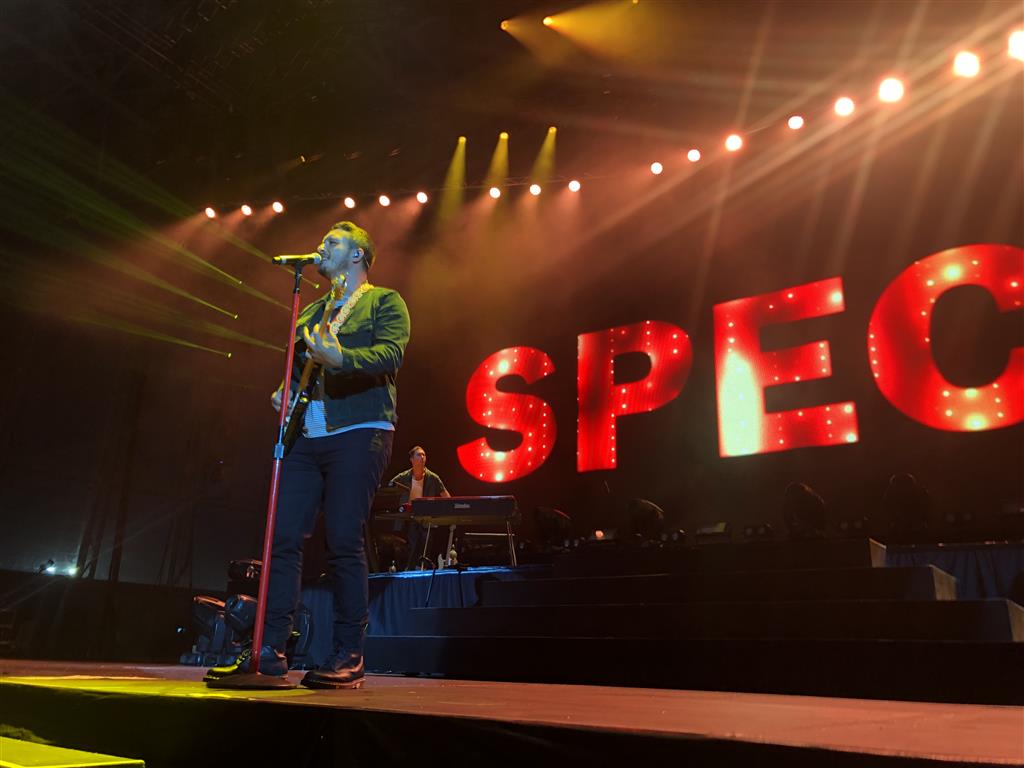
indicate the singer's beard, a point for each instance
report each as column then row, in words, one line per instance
column 324, row 268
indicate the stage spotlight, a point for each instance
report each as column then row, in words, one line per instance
column 907, row 506
column 646, row 519
column 505, row 25
column 693, row 155
column 733, row 142
column 603, row 536
column 759, row 532
column 349, row 202
column 535, row 189
column 246, row 210
column 677, row 536
column 856, row 527
column 574, row 186
column 548, row 21
column 657, row 168
column 795, row 122
column 552, row 525
column 210, row 213
column 384, row 200
column 278, row 208
column 71, row 570
column 422, row 197
column 494, row 192
column 1016, row 44
column 803, row 511
column 890, row 90
column 844, row 106
column 966, row 64
column 713, row 533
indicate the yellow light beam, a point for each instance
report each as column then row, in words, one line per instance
column 43, row 232
column 104, row 215
column 454, row 183
column 497, row 172
column 45, row 137
column 637, row 33
column 92, row 318
column 226, row 234
column 31, row 301
column 550, row 49
column 544, row 164
column 53, row 288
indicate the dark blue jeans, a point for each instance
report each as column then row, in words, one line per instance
column 339, row 473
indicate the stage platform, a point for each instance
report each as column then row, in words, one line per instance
column 167, row 717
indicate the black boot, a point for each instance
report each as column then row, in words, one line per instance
column 341, row 670
column 272, row 662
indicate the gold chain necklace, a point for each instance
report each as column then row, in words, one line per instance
column 347, row 307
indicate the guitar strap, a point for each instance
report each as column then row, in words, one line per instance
column 335, row 325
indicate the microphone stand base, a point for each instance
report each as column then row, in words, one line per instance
column 252, row 681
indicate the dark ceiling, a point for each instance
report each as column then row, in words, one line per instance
column 217, row 99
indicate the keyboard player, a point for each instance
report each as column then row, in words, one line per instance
column 417, row 482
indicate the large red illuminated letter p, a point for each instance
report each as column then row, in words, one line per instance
column 602, row 401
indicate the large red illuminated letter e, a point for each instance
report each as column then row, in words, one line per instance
column 743, row 371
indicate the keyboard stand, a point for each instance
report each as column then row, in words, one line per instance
column 508, row 536
column 452, row 511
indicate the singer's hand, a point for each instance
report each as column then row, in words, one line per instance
column 323, row 346
column 276, row 398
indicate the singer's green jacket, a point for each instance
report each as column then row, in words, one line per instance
column 373, row 341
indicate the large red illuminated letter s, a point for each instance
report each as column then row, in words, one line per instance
column 526, row 414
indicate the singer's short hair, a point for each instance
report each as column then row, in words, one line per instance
column 360, row 237
column 412, row 451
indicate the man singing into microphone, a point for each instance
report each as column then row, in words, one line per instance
column 337, row 461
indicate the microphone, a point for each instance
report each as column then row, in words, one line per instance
column 301, row 259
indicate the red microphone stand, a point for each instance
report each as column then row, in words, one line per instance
column 254, row 679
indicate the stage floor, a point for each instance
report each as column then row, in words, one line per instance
column 895, row 729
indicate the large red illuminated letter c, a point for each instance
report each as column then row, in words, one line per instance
column 899, row 340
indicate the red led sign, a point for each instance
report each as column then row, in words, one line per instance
column 899, row 356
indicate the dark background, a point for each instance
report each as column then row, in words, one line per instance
column 162, row 108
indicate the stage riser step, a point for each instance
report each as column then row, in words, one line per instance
column 993, row 621
column 923, row 583
column 906, row 670
column 619, row 559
